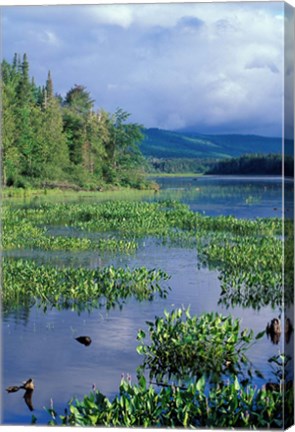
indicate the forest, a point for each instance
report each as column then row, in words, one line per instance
column 49, row 140
column 180, row 165
column 270, row 164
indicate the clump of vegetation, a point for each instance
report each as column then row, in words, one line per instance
column 77, row 288
column 184, row 347
column 140, row 405
column 249, row 257
column 250, row 269
column 26, row 235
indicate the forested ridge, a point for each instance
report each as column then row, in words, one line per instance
column 50, row 140
column 271, row 164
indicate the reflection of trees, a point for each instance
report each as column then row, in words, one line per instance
column 224, row 193
column 18, row 314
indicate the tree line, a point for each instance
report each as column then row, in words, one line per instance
column 270, row 164
column 50, row 139
column 180, row 165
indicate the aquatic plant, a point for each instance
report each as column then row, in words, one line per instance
column 140, row 405
column 77, row 288
column 247, row 253
column 250, row 269
column 25, row 235
column 182, row 347
column 162, row 218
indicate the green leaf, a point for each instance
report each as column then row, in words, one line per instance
column 236, row 384
column 260, row 335
column 140, row 335
column 201, row 383
column 140, row 349
column 142, row 382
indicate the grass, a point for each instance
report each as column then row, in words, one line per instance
column 37, row 196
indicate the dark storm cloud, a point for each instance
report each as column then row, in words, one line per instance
column 207, row 66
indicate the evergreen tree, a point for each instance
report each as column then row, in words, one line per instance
column 49, row 87
column 9, row 153
column 79, row 101
column 74, row 130
column 24, row 89
column 78, row 106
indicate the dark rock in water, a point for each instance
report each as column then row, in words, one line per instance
column 288, row 329
column 84, row 340
column 12, row 389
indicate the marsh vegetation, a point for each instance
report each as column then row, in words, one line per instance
column 192, row 366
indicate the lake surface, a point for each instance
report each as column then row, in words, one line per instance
column 42, row 345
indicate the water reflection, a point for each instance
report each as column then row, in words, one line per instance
column 274, row 330
column 248, row 197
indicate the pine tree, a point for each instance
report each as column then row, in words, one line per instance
column 24, row 89
column 49, row 86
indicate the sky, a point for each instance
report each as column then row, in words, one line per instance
column 205, row 67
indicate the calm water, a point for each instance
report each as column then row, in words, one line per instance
column 42, row 346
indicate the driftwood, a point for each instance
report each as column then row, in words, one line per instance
column 29, row 387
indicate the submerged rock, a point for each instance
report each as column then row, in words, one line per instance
column 84, row 340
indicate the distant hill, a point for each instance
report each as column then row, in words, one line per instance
column 161, row 143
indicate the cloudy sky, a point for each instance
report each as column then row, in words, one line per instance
column 207, row 67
